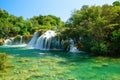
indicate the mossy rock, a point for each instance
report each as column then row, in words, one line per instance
column 71, row 79
column 26, row 38
column 105, row 64
column 22, row 60
column 37, row 75
column 33, row 69
column 97, row 65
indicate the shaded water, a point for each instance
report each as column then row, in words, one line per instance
column 30, row 64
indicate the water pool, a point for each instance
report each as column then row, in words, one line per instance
column 31, row 64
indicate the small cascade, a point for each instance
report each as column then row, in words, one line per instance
column 8, row 42
column 20, row 39
column 14, row 41
column 48, row 41
column 73, row 49
column 45, row 40
column 33, row 40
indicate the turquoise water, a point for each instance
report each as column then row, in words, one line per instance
column 30, row 64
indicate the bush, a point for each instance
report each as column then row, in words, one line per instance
column 1, row 41
column 3, row 61
column 26, row 38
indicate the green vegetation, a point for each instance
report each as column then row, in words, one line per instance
column 3, row 61
column 94, row 29
column 1, row 41
column 98, row 27
column 11, row 25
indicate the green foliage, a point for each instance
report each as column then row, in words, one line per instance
column 99, row 28
column 11, row 25
column 46, row 22
column 1, row 41
column 3, row 61
column 116, row 3
column 26, row 38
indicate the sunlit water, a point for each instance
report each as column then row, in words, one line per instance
column 30, row 64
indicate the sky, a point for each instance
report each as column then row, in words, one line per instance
column 59, row 8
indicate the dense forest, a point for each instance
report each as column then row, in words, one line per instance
column 11, row 25
column 95, row 29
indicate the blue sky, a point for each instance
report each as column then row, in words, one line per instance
column 60, row 8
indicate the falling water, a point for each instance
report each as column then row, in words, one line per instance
column 33, row 40
column 20, row 39
column 73, row 49
column 8, row 42
column 44, row 41
column 14, row 42
column 48, row 41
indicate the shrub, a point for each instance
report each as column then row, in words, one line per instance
column 3, row 61
column 1, row 41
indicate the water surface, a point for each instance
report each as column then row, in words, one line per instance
column 31, row 64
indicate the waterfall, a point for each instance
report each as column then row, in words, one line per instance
column 48, row 41
column 34, row 39
column 73, row 49
column 40, row 42
column 14, row 41
column 45, row 40
column 8, row 42
column 20, row 39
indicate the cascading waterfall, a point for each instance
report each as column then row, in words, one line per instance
column 48, row 41
column 33, row 40
column 20, row 39
column 14, row 41
column 44, row 41
column 73, row 49
column 8, row 42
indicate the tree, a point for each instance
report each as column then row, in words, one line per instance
column 116, row 3
column 99, row 28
